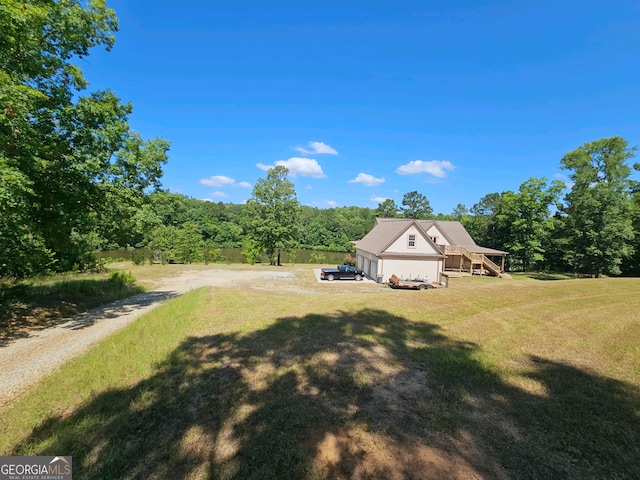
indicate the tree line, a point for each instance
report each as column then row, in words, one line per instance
column 75, row 178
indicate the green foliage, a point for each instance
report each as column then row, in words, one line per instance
column 140, row 257
column 291, row 253
column 214, row 256
column 349, row 260
column 162, row 243
column 252, row 252
column 459, row 212
column 598, row 207
column 188, row 243
column 334, row 228
column 632, row 267
column 388, row 209
column 182, row 245
column 121, row 279
column 525, row 216
column 416, row 206
column 482, row 224
column 273, row 209
column 317, row 257
column 71, row 169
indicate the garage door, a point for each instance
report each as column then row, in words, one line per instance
column 373, row 270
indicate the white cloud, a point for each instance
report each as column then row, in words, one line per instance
column 325, row 203
column 368, row 180
column 437, row 168
column 377, row 199
column 218, row 181
column 317, row 148
column 305, row 167
column 215, row 194
column 223, row 181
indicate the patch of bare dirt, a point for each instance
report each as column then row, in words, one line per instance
column 366, row 454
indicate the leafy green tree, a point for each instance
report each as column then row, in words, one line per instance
column 599, row 222
column 358, row 221
column 21, row 253
column 633, row 266
column 459, row 212
column 481, row 223
column 525, row 216
column 388, row 209
column 273, row 209
column 162, row 243
column 558, row 252
column 416, row 206
column 65, row 159
column 228, row 234
column 251, row 251
column 189, row 245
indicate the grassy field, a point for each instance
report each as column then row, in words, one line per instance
column 528, row 377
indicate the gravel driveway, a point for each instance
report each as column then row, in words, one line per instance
column 27, row 360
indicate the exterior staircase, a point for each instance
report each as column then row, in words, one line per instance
column 478, row 261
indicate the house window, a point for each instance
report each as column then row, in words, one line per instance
column 412, row 241
column 435, row 240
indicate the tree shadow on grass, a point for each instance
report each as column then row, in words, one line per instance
column 546, row 276
column 352, row 395
column 26, row 309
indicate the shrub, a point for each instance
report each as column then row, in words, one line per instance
column 317, row 257
column 139, row 257
column 349, row 260
column 214, row 256
column 252, row 252
column 122, row 279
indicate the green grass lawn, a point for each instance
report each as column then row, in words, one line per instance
column 490, row 378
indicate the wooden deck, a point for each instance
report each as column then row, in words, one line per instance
column 471, row 263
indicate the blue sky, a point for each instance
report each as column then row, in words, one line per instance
column 370, row 100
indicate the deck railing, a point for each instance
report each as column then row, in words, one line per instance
column 474, row 258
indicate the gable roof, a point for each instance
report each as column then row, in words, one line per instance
column 386, row 230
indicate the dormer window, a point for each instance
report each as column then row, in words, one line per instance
column 411, row 243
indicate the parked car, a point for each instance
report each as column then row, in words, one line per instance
column 341, row 272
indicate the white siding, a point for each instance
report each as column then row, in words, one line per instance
column 434, row 231
column 412, row 268
column 401, row 245
column 368, row 263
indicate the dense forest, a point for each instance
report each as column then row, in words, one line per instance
column 75, row 179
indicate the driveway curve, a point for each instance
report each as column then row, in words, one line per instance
column 26, row 361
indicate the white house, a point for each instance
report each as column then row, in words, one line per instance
column 423, row 248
